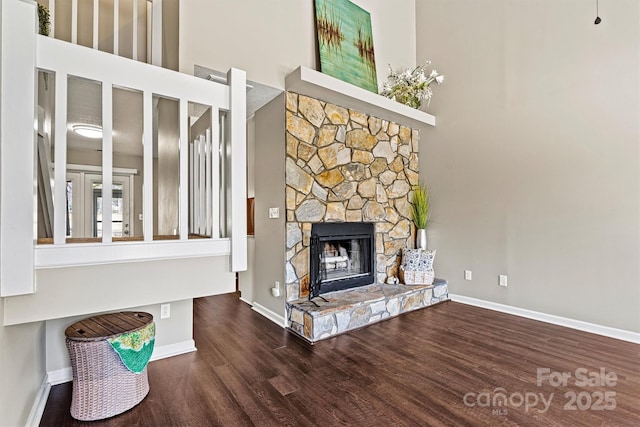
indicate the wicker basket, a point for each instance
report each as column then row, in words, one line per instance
column 416, row 277
column 102, row 385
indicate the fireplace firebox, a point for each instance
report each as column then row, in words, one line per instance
column 342, row 256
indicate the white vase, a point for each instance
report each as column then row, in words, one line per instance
column 421, row 239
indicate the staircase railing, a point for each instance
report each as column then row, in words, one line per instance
column 129, row 28
column 19, row 253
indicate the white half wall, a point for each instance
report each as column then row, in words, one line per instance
column 176, row 329
column 535, row 163
column 78, row 291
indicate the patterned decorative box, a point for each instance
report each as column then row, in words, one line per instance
column 417, row 267
column 416, row 277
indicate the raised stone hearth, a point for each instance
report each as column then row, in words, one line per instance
column 354, row 308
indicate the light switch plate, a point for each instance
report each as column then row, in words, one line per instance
column 274, row 213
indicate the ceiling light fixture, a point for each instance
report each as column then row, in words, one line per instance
column 598, row 20
column 88, row 131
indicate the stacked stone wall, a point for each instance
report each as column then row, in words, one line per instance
column 346, row 166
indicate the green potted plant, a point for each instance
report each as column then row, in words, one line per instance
column 420, row 213
column 44, row 28
column 44, row 23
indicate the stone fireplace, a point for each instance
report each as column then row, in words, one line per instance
column 344, row 166
column 342, row 256
column 346, row 159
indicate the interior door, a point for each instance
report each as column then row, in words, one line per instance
column 93, row 207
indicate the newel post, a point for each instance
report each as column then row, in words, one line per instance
column 237, row 81
column 17, row 142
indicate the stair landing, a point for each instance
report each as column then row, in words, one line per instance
column 354, row 308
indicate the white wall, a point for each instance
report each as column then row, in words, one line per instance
column 534, row 163
column 269, row 39
column 22, row 369
column 268, row 266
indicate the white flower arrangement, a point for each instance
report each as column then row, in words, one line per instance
column 411, row 87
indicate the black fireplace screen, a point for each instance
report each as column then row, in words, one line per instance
column 342, row 256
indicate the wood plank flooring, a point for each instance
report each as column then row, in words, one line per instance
column 413, row 370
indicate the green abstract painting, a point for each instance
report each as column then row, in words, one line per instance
column 345, row 43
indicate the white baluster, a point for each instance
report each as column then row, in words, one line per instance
column 215, row 176
column 96, row 25
column 183, row 159
column 116, row 26
column 238, row 194
column 208, row 182
column 156, row 35
column 74, row 21
column 149, row 29
column 107, row 161
column 191, row 184
column 147, row 196
column 135, row 31
column 196, row 185
column 60, row 161
column 52, row 17
column 201, row 185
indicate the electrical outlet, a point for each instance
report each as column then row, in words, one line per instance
column 274, row 213
column 502, row 281
column 468, row 275
column 165, row 311
column 275, row 291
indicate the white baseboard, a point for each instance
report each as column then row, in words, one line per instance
column 65, row 375
column 271, row 315
column 170, row 350
column 246, row 301
column 593, row 328
column 35, row 415
column 59, row 376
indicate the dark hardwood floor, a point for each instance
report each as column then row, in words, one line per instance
column 414, row 370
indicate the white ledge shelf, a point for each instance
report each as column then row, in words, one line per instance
column 306, row 81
